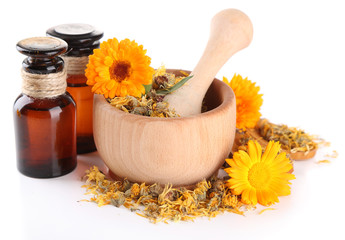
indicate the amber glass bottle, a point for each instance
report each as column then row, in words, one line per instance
column 82, row 39
column 44, row 114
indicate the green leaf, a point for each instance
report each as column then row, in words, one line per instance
column 148, row 88
column 175, row 87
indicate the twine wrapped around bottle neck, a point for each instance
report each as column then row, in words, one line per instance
column 75, row 65
column 44, row 85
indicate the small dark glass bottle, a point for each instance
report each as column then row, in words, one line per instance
column 44, row 114
column 82, row 39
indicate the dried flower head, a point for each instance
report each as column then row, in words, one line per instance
column 119, row 69
column 248, row 101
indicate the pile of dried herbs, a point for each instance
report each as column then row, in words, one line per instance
column 151, row 104
column 157, row 203
column 292, row 139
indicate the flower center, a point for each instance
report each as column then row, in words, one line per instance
column 120, row 70
column 259, row 176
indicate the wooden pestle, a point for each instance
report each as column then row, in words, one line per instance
column 231, row 31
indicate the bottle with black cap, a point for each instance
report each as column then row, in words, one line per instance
column 44, row 113
column 82, row 39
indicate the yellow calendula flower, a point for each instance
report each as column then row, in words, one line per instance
column 260, row 178
column 119, row 69
column 248, row 101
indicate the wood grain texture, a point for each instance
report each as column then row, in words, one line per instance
column 181, row 151
column 231, row 31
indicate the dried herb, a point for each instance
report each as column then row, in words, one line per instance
column 174, row 87
column 145, row 106
column 152, row 104
column 157, row 203
column 292, row 139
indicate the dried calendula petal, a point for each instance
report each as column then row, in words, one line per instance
column 266, row 209
column 323, row 161
column 119, row 101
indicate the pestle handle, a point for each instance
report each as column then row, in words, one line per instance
column 231, row 31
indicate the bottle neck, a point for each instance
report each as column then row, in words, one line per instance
column 43, row 65
column 44, row 85
column 82, row 47
column 76, row 65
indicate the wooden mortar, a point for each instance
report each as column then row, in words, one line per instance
column 231, row 31
column 181, row 151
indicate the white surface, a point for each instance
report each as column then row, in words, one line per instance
column 297, row 57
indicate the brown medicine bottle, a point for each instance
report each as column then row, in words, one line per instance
column 82, row 39
column 44, row 114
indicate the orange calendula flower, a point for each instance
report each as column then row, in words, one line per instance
column 248, row 101
column 260, row 178
column 119, row 69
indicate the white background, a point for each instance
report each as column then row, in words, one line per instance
column 296, row 57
